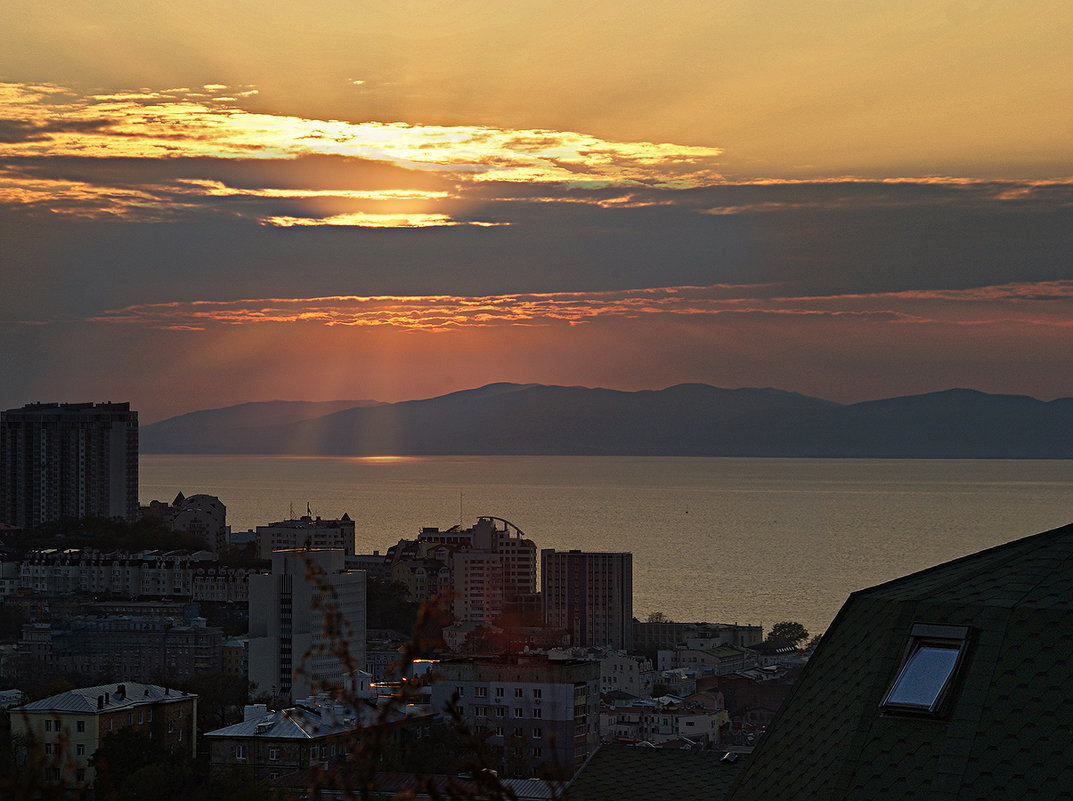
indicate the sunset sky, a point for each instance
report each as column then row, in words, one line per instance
column 205, row 203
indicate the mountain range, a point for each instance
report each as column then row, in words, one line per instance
column 683, row 420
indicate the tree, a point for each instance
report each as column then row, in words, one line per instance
column 658, row 617
column 220, row 699
column 787, row 632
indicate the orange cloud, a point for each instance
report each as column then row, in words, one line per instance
column 1048, row 303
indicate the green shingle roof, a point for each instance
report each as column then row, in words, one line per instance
column 1008, row 732
column 616, row 772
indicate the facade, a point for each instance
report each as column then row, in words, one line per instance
column 536, row 713
column 235, row 656
column 68, row 460
column 202, row 515
column 590, row 595
column 161, row 648
column 306, row 532
column 267, row 745
column 485, row 569
column 661, row 720
column 666, row 634
column 720, row 660
column 70, row 726
column 289, row 650
column 145, row 574
column 619, row 671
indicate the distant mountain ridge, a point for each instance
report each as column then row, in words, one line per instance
column 682, row 420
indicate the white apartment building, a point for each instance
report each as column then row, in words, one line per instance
column 306, row 532
column 290, row 653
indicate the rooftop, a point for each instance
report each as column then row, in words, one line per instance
column 106, row 698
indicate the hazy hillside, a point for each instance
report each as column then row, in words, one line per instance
column 684, row 420
column 208, row 430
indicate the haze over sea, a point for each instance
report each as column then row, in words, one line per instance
column 724, row 540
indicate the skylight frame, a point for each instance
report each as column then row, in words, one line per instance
column 929, row 671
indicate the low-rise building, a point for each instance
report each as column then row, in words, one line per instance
column 722, row 659
column 70, row 726
column 536, row 713
column 666, row 634
column 267, row 745
column 659, row 720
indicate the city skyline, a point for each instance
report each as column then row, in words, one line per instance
column 202, row 206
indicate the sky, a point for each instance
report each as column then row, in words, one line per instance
column 207, row 203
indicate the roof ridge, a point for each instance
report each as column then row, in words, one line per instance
column 984, row 560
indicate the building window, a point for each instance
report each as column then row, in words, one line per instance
column 501, row 711
column 171, row 727
column 929, row 669
column 536, row 692
column 519, row 712
column 517, row 692
column 48, row 725
column 80, row 749
column 482, row 692
column 80, row 726
column 537, row 734
column 536, row 713
column 240, row 753
column 499, row 692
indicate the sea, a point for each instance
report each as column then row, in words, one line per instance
column 727, row 540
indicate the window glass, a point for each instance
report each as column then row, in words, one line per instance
column 924, row 676
column 933, row 657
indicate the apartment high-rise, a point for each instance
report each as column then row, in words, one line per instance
column 290, row 649
column 491, row 564
column 68, row 460
column 590, row 595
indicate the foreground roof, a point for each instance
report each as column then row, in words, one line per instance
column 87, row 700
column 1004, row 730
column 615, row 772
column 294, row 723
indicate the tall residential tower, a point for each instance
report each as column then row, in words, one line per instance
column 590, row 595
column 68, row 460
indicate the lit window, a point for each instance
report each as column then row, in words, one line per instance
column 928, row 670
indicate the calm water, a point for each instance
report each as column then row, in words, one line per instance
column 728, row 540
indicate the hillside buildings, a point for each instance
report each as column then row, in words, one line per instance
column 536, row 713
column 68, row 460
column 290, row 653
column 71, row 725
column 590, row 595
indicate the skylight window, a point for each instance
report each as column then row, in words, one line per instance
column 932, row 659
